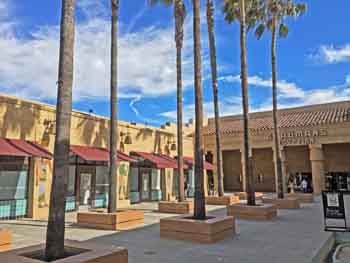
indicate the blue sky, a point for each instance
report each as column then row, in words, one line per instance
column 313, row 62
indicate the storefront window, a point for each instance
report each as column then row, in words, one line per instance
column 71, row 181
column 155, row 179
column 101, row 180
column 13, row 185
column 134, row 180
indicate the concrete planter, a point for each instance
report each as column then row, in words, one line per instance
column 257, row 212
column 222, row 200
column 81, row 252
column 243, row 195
column 186, row 228
column 5, row 240
column 122, row 220
column 175, row 207
column 303, row 198
column 285, row 203
column 341, row 254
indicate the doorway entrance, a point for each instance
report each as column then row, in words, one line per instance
column 85, row 189
column 146, row 184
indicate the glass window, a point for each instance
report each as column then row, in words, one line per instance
column 134, row 179
column 71, row 181
column 13, row 185
column 155, row 179
column 101, row 180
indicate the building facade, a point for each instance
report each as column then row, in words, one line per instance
column 26, row 175
column 314, row 141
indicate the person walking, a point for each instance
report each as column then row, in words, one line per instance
column 304, row 185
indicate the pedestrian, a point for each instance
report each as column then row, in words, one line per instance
column 186, row 188
column 304, row 185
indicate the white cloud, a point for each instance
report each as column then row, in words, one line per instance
column 227, row 106
column 28, row 66
column 286, row 89
column 332, row 54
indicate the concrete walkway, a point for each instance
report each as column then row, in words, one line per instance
column 292, row 238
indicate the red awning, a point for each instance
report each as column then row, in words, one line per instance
column 22, row 148
column 158, row 160
column 207, row 165
column 95, row 154
column 185, row 166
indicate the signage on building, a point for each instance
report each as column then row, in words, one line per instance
column 334, row 211
column 300, row 137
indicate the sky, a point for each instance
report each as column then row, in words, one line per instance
column 313, row 61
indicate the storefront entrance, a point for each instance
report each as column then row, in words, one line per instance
column 146, row 184
column 85, row 189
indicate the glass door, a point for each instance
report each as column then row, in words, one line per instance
column 146, row 185
column 85, row 189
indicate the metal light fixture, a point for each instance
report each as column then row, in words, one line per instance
column 128, row 139
column 173, row 146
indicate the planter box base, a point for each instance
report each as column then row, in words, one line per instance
column 303, row 198
column 222, row 200
column 243, row 195
column 5, row 240
column 83, row 252
column 175, row 207
column 122, row 220
column 285, row 203
column 257, row 212
column 186, row 228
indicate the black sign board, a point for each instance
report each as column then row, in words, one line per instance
column 333, row 208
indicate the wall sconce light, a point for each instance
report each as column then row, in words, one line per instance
column 128, row 139
column 50, row 126
column 173, row 146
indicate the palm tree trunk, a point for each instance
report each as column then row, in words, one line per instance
column 277, row 156
column 55, row 228
column 179, row 18
column 112, row 200
column 210, row 22
column 244, row 79
column 199, row 199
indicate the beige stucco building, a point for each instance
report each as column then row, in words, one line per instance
column 315, row 146
column 26, row 170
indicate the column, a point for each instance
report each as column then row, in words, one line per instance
column 284, row 169
column 317, row 167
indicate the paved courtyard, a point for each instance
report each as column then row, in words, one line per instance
column 292, row 238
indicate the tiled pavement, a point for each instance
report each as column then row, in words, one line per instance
column 292, row 238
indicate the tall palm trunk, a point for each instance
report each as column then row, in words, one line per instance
column 55, row 228
column 277, row 157
column 179, row 20
column 199, row 199
column 112, row 201
column 210, row 23
column 244, row 83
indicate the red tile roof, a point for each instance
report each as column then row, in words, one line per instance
column 207, row 165
column 185, row 166
column 157, row 159
column 22, row 148
column 96, row 154
column 332, row 113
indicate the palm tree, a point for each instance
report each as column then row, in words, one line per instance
column 112, row 200
column 199, row 198
column 211, row 34
column 244, row 11
column 274, row 12
column 179, row 16
column 56, row 224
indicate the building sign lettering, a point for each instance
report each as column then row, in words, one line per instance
column 300, row 137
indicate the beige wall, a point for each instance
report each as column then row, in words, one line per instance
column 34, row 121
column 331, row 142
